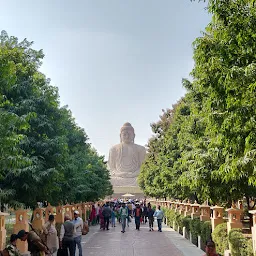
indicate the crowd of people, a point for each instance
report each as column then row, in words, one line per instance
column 48, row 241
column 124, row 212
column 72, row 229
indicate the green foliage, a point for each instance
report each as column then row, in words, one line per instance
column 195, row 229
column 44, row 154
column 204, row 147
column 206, row 231
column 240, row 246
column 193, row 226
column 220, row 237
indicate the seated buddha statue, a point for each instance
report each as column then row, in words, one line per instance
column 125, row 159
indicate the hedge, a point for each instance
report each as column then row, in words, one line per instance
column 240, row 245
column 220, row 237
column 193, row 226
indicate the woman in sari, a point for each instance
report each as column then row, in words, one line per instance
column 93, row 216
column 102, row 222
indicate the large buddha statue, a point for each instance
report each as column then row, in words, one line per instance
column 125, row 159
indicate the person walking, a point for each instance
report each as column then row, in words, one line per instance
column 67, row 237
column 159, row 214
column 150, row 214
column 52, row 240
column 78, row 227
column 102, row 223
column 97, row 214
column 113, row 217
column 106, row 214
column 145, row 211
column 123, row 216
column 137, row 215
column 93, row 216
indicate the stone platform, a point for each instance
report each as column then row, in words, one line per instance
column 136, row 243
column 136, row 191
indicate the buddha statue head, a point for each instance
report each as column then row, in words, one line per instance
column 127, row 134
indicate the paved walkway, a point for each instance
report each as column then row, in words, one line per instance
column 136, row 243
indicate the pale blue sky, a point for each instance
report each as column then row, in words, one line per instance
column 114, row 61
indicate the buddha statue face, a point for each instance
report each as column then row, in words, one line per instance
column 127, row 134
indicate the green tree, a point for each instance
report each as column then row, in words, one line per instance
column 213, row 129
column 54, row 150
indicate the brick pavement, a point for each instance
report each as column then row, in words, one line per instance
column 136, row 243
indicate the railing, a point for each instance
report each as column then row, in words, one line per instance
column 20, row 220
column 211, row 215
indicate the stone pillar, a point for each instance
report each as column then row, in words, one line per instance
column 253, row 212
column 21, row 223
column 182, row 209
column 195, row 210
column 177, row 205
column 68, row 210
column 2, row 230
column 205, row 212
column 38, row 218
column 83, row 209
column 188, row 209
column 59, row 218
column 217, row 216
column 234, row 216
column 79, row 209
column 241, row 207
column 73, row 208
column 49, row 210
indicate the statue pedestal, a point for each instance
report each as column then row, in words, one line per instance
column 134, row 190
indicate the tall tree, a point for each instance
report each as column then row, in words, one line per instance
column 44, row 134
column 216, row 137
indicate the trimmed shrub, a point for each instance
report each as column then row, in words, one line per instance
column 239, row 244
column 206, row 231
column 195, row 229
column 220, row 237
column 249, row 247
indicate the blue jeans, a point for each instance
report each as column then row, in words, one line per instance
column 159, row 223
column 123, row 219
column 113, row 221
column 78, row 243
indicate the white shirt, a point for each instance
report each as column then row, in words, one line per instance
column 78, row 226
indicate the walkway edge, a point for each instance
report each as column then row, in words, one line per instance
column 182, row 244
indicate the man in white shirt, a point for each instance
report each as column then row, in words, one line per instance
column 78, row 226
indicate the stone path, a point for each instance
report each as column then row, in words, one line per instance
column 136, row 243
